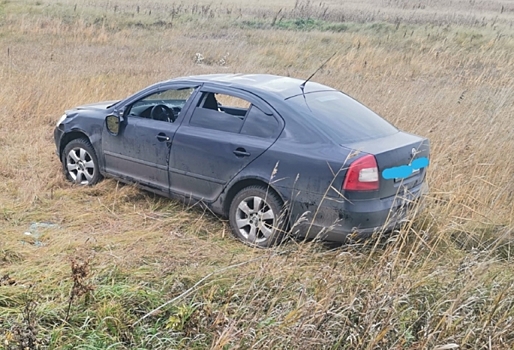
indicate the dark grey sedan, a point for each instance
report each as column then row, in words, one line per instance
column 274, row 154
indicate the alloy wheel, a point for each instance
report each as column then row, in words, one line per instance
column 80, row 166
column 255, row 219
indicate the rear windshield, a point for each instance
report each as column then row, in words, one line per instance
column 341, row 118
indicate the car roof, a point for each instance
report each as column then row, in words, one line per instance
column 264, row 83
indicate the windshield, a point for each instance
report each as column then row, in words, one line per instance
column 341, row 117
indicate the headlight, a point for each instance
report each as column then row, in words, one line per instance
column 61, row 119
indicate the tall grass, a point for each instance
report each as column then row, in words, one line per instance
column 445, row 280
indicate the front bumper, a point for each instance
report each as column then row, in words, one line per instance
column 58, row 133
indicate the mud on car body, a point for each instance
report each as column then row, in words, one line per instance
column 263, row 150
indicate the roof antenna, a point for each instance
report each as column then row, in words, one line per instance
column 302, row 86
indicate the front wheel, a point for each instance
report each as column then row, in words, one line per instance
column 80, row 163
column 256, row 218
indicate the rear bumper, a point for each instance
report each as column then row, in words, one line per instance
column 345, row 221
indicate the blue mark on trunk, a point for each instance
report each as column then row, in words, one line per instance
column 404, row 171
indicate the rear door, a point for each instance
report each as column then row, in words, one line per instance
column 225, row 131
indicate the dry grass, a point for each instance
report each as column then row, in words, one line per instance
column 445, row 279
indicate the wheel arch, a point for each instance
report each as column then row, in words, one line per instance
column 243, row 183
column 70, row 136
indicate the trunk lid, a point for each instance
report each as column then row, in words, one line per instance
column 402, row 160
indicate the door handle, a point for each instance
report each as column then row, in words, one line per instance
column 241, row 152
column 162, row 137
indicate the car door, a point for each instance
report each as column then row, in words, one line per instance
column 140, row 152
column 214, row 144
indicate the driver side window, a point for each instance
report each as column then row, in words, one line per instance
column 163, row 106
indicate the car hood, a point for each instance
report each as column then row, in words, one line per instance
column 94, row 106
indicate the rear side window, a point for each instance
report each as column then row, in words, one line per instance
column 259, row 124
column 341, row 117
column 232, row 114
column 212, row 113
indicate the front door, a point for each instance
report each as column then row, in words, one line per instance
column 140, row 152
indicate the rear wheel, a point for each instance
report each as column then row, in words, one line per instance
column 80, row 163
column 256, row 218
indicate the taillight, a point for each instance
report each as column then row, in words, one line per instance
column 362, row 175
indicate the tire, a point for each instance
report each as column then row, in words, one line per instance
column 80, row 164
column 256, row 217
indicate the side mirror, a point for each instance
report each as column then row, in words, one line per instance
column 112, row 122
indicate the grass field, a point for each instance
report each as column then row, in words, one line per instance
column 111, row 266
